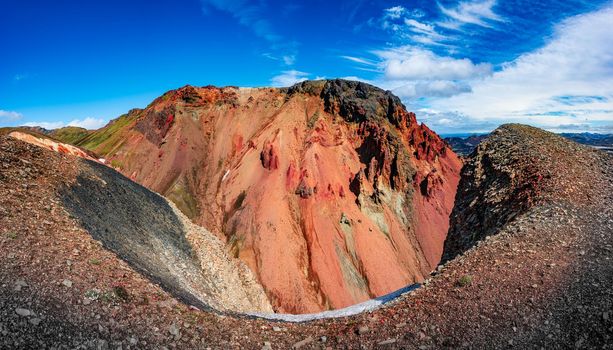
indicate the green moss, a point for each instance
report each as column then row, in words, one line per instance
column 121, row 293
column 235, row 242
column 465, row 280
column 182, row 197
column 107, row 140
column 116, row 164
column 70, row 134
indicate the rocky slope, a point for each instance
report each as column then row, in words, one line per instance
column 330, row 191
column 141, row 227
column 540, row 280
column 507, row 175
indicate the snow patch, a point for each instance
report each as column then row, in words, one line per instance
column 366, row 306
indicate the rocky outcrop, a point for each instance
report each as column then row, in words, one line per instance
column 319, row 188
column 510, row 171
column 53, row 145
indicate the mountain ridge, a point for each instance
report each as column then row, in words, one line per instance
column 330, row 191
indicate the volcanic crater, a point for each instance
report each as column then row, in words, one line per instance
column 300, row 200
column 329, row 191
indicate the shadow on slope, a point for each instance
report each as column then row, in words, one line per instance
column 134, row 223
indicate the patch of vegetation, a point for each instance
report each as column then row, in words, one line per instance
column 105, row 140
column 465, row 280
column 70, row 134
column 235, row 243
column 116, row 164
column 93, row 294
column 94, row 261
column 182, row 197
column 11, row 234
column 121, row 293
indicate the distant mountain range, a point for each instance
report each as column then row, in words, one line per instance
column 465, row 145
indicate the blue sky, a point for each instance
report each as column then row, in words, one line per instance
column 462, row 66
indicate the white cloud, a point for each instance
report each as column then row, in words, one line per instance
column 477, row 12
column 87, row 123
column 408, row 63
column 394, row 12
column 9, row 115
column 441, row 88
column 288, row 78
column 46, row 125
column 429, row 89
column 567, row 81
column 450, row 122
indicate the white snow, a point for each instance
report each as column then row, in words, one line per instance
column 225, row 175
column 366, row 306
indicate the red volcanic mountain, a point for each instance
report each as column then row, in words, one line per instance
column 330, row 191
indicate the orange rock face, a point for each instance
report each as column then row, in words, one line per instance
column 53, row 145
column 330, row 191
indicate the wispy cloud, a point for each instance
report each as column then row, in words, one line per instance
column 288, row 78
column 406, row 24
column 393, row 17
column 9, row 116
column 360, row 60
column 248, row 13
column 20, row 77
column 419, row 27
column 254, row 15
column 288, row 59
column 476, row 12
